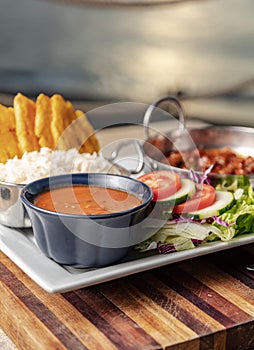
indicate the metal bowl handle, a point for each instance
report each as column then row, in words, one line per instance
column 148, row 113
column 139, row 151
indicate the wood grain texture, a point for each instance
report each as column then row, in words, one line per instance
column 202, row 303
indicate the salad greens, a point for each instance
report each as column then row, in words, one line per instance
column 186, row 233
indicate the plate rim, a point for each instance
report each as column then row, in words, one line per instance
column 19, row 245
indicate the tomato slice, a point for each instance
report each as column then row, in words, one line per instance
column 164, row 183
column 204, row 197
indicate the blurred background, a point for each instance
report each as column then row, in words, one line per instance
column 97, row 53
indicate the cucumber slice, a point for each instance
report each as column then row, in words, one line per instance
column 187, row 190
column 224, row 201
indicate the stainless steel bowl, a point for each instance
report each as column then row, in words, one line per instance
column 12, row 211
column 157, row 147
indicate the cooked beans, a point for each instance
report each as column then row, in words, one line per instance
column 225, row 161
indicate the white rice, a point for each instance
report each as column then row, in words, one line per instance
column 36, row 165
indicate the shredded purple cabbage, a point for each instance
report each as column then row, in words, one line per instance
column 205, row 175
column 196, row 242
column 200, row 179
column 166, row 248
column 221, row 222
column 180, row 219
column 194, row 176
column 210, row 220
column 172, row 248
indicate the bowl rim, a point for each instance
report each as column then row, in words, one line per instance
column 32, row 206
column 12, row 184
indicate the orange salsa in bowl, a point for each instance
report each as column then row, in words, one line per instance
column 87, row 200
column 88, row 219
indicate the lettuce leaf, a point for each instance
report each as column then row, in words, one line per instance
column 240, row 217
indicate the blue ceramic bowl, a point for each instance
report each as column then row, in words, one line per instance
column 89, row 240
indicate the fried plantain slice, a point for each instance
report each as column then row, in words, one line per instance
column 70, row 114
column 42, row 123
column 8, row 139
column 7, row 120
column 70, row 136
column 24, row 111
column 60, row 120
column 73, row 130
column 87, row 135
column 76, row 136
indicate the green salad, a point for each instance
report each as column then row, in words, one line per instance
column 231, row 214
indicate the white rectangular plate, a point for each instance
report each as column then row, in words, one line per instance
column 19, row 245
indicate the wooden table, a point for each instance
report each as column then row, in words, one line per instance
column 202, row 303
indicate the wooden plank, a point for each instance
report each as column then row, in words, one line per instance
column 164, row 326
column 107, row 317
column 65, row 313
column 22, row 326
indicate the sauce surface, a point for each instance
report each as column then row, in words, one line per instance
column 86, row 200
